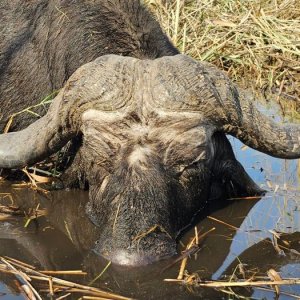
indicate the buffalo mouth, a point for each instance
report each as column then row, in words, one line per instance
column 136, row 209
column 144, row 250
column 131, row 242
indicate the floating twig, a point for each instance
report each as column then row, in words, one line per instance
column 25, row 280
column 222, row 222
column 55, row 284
column 222, row 284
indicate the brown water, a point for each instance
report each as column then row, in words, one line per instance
column 65, row 238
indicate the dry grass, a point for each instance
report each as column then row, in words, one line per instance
column 27, row 277
column 257, row 41
column 241, row 276
column 226, row 287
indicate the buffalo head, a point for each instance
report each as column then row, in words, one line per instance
column 153, row 145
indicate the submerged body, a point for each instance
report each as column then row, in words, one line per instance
column 153, row 146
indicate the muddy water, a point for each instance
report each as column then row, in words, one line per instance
column 65, row 238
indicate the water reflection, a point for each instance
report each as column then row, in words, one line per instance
column 279, row 210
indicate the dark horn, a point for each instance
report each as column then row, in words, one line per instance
column 244, row 121
column 62, row 121
column 39, row 140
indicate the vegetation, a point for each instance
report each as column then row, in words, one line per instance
column 257, row 41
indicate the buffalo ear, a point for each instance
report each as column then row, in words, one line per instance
column 39, row 140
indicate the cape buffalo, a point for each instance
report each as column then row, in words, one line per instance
column 152, row 125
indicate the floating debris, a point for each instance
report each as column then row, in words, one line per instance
column 27, row 276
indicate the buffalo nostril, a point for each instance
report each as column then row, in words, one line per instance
column 136, row 254
column 125, row 258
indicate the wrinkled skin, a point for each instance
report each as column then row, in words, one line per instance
column 152, row 158
column 153, row 149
